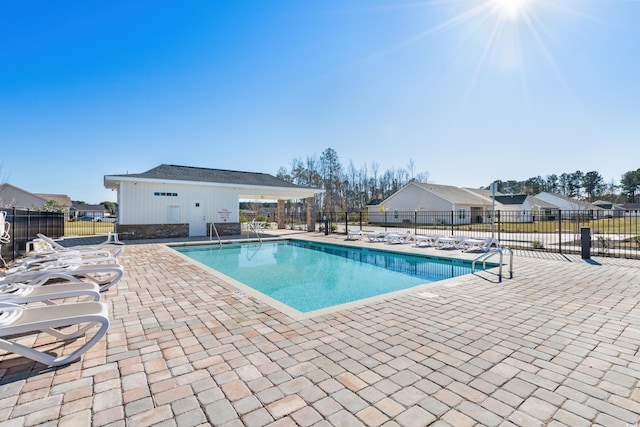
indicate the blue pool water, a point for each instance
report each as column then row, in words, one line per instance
column 309, row 276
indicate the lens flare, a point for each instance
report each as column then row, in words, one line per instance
column 510, row 9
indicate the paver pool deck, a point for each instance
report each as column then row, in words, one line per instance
column 558, row 344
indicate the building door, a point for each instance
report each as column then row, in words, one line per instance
column 476, row 215
column 197, row 222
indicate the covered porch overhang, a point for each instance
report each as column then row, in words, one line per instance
column 281, row 195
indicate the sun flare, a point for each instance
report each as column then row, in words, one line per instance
column 510, row 9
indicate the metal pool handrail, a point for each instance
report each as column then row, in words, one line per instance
column 255, row 227
column 484, row 257
column 213, row 228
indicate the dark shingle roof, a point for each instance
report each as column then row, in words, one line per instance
column 221, row 176
column 516, row 199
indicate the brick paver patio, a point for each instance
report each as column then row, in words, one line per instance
column 556, row 345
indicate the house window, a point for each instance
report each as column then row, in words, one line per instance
column 163, row 194
column 462, row 213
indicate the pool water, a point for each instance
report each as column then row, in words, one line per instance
column 308, row 276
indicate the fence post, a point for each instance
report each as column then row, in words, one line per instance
column 360, row 219
column 559, row 230
column 585, row 242
column 415, row 222
column 452, row 219
column 346, row 222
column 13, row 236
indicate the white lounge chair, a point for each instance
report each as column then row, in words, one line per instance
column 395, row 238
column 23, row 293
column 429, row 240
column 5, row 237
column 103, row 275
column 480, row 244
column 47, row 244
column 377, row 236
column 453, row 242
column 17, row 320
column 354, row 235
column 53, row 260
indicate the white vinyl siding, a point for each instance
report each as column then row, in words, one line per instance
column 139, row 204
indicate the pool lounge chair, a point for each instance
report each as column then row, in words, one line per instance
column 429, row 240
column 377, row 236
column 5, row 237
column 354, row 235
column 449, row 242
column 23, row 293
column 17, row 320
column 46, row 244
column 395, row 238
column 479, row 244
column 51, row 260
column 103, row 275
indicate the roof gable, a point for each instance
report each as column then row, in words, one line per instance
column 12, row 196
column 561, row 200
column 61, row 199
column 455, row 195
column 543, row 204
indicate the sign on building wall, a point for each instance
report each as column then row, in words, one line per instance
column 224, row 215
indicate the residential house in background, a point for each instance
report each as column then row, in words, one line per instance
column 515, row 207
column 14, row 197
column 569, row 208
column 454, row 205
column 544, row 211
column 631, row 210
column 457, row 205
column 604, row 209
column 94, row 211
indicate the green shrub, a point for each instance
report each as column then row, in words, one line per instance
column 604, row 243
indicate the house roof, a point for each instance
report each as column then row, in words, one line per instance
column 12, row 196
column 86, row 207
column 558, row 198
column 543, row 203
column 455, row 195
column 482, row 192
column 61, row 199
column 512, row 199
column 220, row 176
column 173, row 173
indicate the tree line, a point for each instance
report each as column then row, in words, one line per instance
column 351, row 188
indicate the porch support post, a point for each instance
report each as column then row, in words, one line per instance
column 281, row 221
column 311, row 216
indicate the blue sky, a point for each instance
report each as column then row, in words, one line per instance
column 471, row 91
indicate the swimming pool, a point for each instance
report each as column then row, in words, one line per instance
column 309, row 276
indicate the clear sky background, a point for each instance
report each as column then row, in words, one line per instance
column 471, row 91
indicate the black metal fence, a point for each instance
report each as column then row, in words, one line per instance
column 558, row 231
column 89, row 225
column 25, row 225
